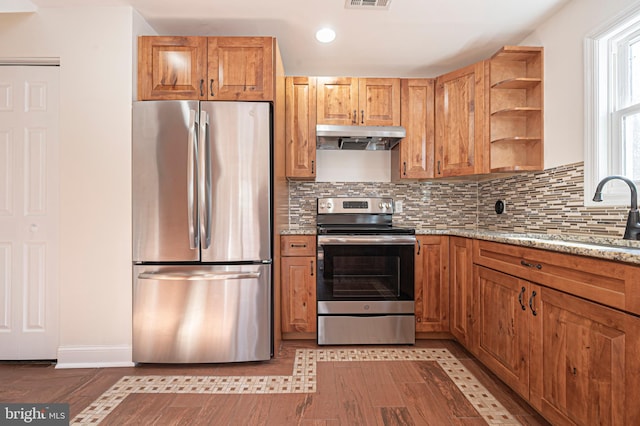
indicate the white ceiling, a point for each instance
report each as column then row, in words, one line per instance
column 414, row 38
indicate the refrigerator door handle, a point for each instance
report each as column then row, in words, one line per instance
column 204, row 181
column 192, row 156
column 197, row 276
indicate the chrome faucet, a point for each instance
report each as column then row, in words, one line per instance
column 632, row 231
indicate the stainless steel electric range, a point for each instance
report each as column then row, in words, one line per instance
column 365, row 279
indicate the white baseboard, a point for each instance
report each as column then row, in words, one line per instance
column 94, row 356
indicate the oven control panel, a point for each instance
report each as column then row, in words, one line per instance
column 336, row 205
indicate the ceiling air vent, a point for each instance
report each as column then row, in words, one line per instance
column 368, row 4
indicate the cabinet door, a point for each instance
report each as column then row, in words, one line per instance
column 460, row 122
column 300, row 127
column 432, row 284
column 584, row 365
column 172, row 68
column 503, row 326
column 379, row 102
column 337, row 100
column 416, row 151
column 461, row 296
column 240, row 68
column 298, row 294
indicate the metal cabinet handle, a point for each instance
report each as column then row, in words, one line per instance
column 201, row 87
column 211, row 87
column 404, row 170
column 438, row 166
column 312, row 268
column 533, row 311
column 313, row 167
column 362, row 116
column 524, row 308
column 419, row 246
column 354, row 120
column 293, row 245
column 530, row 265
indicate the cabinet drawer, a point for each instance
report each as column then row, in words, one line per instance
column 298, row 245
column 603, row 281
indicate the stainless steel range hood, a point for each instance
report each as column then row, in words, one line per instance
column 371, row 138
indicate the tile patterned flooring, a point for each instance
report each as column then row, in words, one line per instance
column 302, row 380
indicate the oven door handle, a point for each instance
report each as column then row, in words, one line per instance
column 378, row 240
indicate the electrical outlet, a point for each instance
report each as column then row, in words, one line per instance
column 398, row 206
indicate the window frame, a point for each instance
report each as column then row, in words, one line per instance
column 602, row 124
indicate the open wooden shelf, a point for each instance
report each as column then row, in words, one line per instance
column 518, row 168
column 517, row 83
column 517, row 109
column 517, row 139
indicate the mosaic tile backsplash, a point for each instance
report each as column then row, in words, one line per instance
column 547, row 202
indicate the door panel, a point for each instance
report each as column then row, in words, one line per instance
column 29, row 212
column 239, row 152
column 160, row 181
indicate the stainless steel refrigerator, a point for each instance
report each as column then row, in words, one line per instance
column 202, row 241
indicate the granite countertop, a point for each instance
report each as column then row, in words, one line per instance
column 601, row 247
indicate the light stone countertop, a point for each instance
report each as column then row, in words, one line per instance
column 615, row 249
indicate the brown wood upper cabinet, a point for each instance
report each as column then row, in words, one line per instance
column 213, row 68
column 460, row 122
column 358, row 101
column 413, row 157
column 300, row 129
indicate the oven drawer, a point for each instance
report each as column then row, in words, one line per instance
column 365, row 307
column 369, row 330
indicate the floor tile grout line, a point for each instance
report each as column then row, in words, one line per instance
column 300, row 381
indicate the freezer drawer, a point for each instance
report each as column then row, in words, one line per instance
column 202, row 314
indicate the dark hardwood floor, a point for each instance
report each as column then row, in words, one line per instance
column 358, row 392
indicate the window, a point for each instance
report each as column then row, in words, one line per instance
column 612, row 121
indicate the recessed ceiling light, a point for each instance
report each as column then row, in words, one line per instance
column 325, row 35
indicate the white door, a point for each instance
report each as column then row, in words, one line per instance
column 28, row 212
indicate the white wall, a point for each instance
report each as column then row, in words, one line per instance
column 95, row 50
column 563, row 39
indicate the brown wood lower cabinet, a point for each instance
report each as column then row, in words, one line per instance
column 298, row 279
column 503, row 327
column 461, row 291
column 432, row 284
column 585, row 361
column 576, row 361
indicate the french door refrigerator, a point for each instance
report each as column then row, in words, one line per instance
column 202, row 242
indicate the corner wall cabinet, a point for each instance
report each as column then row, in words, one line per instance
column 298, row 280
column 432, row 284
column 351, row 101
column 569, row 353
column 300, row 133
column 413, row 157
column 213, row 68
column 516, row 109
column 460, row 121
